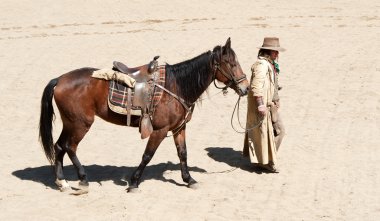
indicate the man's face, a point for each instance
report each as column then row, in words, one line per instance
column 273, row 55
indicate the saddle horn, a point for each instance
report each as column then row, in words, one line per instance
column 152, row 66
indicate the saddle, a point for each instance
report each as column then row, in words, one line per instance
column 141, row 73
column 142, row 94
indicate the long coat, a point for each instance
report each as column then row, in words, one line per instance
column 260, row 140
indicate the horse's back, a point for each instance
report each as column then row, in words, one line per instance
column 77, row 76
column 78, row 89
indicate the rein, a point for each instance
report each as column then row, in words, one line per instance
column 237, row 105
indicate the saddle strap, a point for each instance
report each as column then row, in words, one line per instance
column 185, row 120
column 129, row 105
column 181, row 100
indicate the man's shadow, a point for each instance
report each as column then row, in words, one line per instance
column 233, row 158
column 97, row 173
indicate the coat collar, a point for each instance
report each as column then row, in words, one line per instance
column 270, row 68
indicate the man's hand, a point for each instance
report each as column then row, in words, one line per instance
column 262, row 110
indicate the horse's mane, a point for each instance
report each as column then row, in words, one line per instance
column 191, row 77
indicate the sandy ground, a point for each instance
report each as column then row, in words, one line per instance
column 329, row 159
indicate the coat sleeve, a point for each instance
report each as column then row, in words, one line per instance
column 259, row 71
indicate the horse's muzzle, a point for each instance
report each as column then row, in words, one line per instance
column 242, row 90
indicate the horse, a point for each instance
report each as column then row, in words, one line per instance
column 79, row 97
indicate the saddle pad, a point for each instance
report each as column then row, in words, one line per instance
column 118, row 94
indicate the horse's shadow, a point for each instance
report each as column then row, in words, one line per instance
column 119, row 175
column 233, row 158
column 98, row 173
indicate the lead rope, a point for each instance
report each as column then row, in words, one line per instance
column 237, row 106
column 223, row 171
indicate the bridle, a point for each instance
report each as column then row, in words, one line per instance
column 231, row 78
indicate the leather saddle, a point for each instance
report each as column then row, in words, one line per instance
column 140, row 73
column 142, row 92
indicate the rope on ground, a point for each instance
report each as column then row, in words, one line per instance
column 223, row 171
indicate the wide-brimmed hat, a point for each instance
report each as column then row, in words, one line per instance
column 272, row 43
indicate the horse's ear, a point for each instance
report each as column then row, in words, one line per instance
column 228, row 43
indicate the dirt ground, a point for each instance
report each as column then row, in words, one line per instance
column 330, row 74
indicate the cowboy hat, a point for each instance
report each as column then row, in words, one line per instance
column 272, row 43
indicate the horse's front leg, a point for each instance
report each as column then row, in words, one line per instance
column 154, row 141
column 180, row 143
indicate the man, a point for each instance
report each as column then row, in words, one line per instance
column 260, row 138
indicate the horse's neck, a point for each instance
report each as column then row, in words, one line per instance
column 201, row 90
column 192, row 77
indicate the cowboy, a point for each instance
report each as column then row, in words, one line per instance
column 260, row 138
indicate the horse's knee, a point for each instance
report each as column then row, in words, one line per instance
column 182, row 154
column 146, row 158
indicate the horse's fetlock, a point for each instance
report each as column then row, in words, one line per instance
column 146, row 158
column 135, row 181
column 186, row 177
column 83, row 177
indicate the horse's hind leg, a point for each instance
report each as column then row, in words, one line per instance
column 58, row 167
column 154, row 141
column 180, row 143
column 72, row 134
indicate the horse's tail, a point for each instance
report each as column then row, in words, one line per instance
column 46, row 120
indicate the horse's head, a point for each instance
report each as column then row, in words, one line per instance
column 228, row 70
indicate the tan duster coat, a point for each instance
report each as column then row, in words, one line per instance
column 260, row 140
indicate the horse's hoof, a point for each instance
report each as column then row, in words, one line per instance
column 64, row 189
column 193, row 185
column 63, row 185
column 82, row 189
column 83, row 184
column 79, row 192
column 132, row 189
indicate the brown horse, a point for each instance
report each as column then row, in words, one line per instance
column 79, row 97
